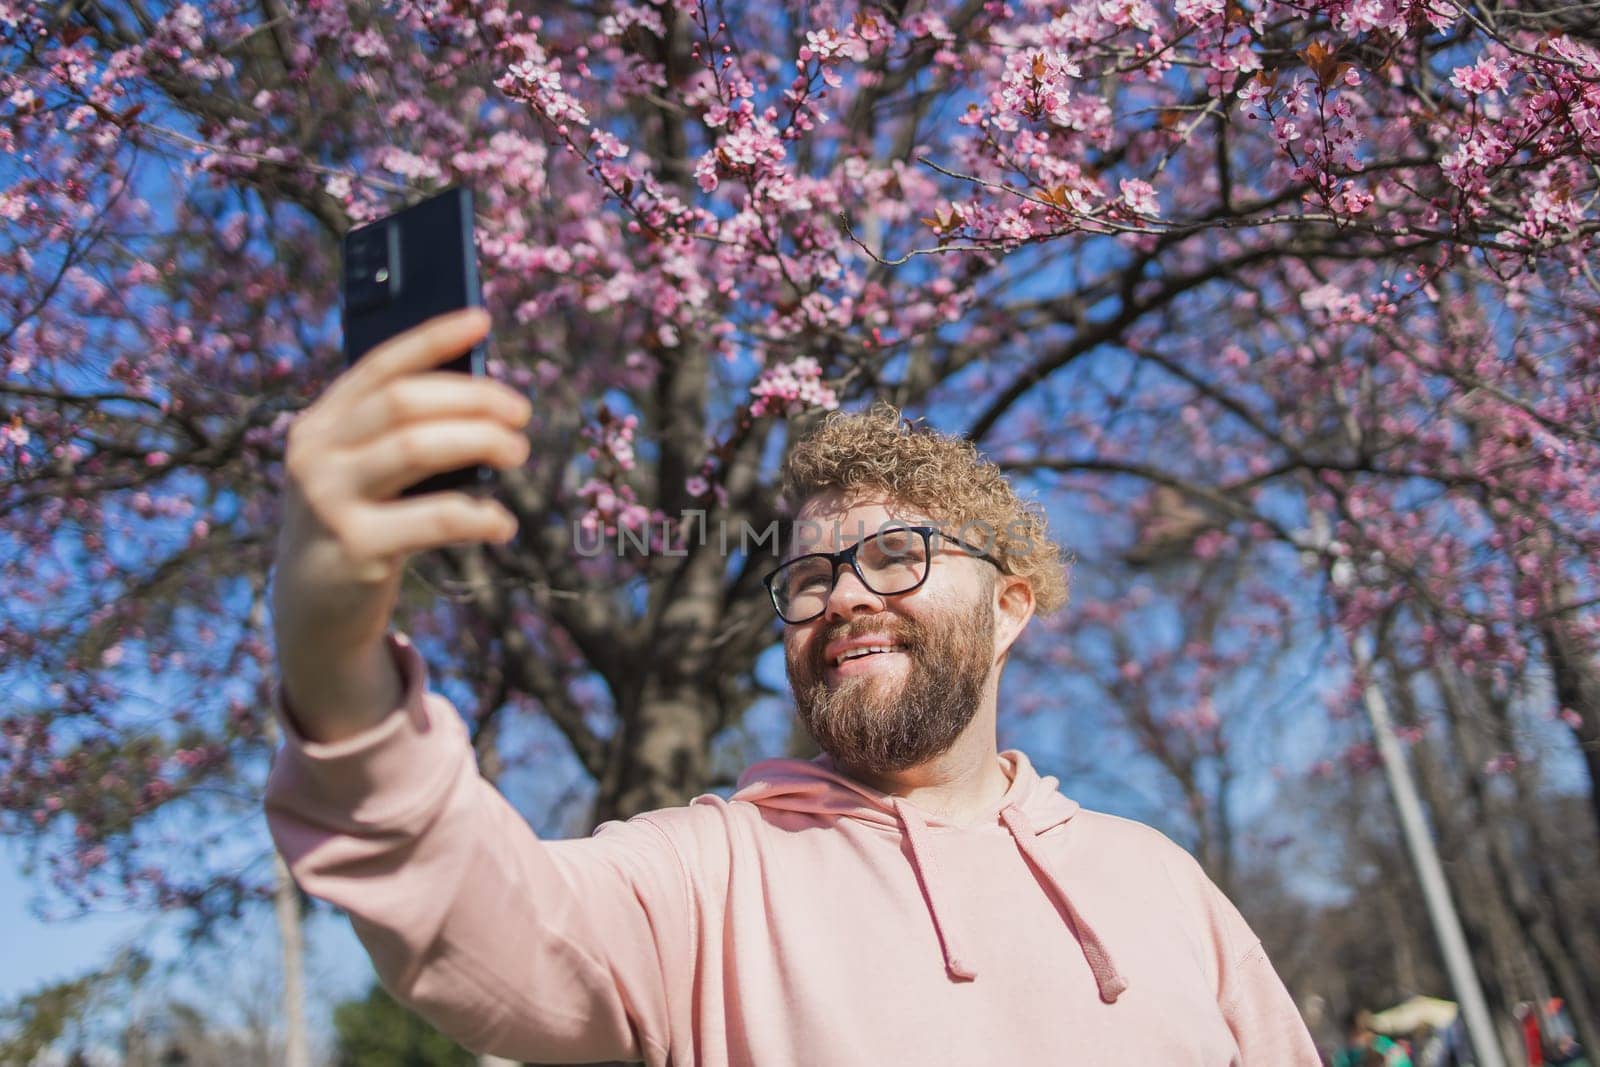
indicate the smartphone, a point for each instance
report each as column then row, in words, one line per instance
column 403, row 269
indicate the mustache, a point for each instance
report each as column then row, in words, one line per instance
column 902, row 632
column 864, row 629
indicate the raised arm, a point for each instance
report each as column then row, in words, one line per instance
column 567, row 951
column 386, row 423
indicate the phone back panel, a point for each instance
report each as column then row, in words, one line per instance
column 403, row 269
column 434, row 269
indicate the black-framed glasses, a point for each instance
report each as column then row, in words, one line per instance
column 889, row 563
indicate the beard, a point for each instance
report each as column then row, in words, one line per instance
column 872, row 724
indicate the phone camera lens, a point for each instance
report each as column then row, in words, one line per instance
column 382, row 275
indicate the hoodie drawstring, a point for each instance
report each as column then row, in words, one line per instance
column 818, row 789
column 922, row 861
column 1110, row 983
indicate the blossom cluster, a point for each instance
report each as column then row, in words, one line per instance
column 792, row 387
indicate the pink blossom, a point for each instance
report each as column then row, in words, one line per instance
column 626, row 16
column 1484, row 76
column 1503, row 763
column 1351, row 200
column 789, row 388
column 1135, row 13
column 1255, row 94
column 538, row 81
column 369, row 44
column 1198, row 11
column 826, row 44
column 1140, row 197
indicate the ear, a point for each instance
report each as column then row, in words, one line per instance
column 1013, row 607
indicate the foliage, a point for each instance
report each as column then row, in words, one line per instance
column 37, row 1021
column 378, row 1032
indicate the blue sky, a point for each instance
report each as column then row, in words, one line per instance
column 36, row 952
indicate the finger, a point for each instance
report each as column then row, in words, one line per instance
column 381, row 467
column 431, row 397
column 416, row 524
column 423, row 347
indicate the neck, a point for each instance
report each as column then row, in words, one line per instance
column 959, row 784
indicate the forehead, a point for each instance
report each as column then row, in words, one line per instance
column 830, row 522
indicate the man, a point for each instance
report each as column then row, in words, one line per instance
column 911, row 897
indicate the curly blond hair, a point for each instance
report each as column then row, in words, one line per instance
column 941, row 475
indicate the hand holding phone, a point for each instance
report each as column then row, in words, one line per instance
column 385, row 423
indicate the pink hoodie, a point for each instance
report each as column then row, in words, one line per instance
column 809, row 920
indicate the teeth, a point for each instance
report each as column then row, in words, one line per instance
column 855, row 653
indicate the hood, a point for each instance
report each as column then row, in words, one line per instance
column 1031, row 806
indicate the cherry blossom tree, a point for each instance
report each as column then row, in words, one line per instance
column 1308, row 286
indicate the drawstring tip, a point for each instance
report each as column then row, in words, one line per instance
column 1113, row 988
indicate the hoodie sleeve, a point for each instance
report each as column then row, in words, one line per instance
column 545, row 952
column 1267, row 1027
column 1266, row 1023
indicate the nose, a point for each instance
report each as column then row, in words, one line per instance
column 850, row 596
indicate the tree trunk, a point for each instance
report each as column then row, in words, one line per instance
column 1552, row 960
column 1576, row 677
column 661, row 760
column 1539, row 908
column 1567, row 881
column 1399, row 933
column 669, row 708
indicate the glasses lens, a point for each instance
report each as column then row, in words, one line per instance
column 894, row 561
column 802, row 587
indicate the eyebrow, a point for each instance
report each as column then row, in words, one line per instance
column 794, row 552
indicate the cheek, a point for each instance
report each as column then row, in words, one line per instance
column 795, row 643
column 930, row 605
column 927, row 599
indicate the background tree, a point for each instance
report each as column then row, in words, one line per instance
column 378, row 1032
column 1299, row 286
column 61, row 1015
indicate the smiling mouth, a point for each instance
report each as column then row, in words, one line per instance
column 863, row 653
